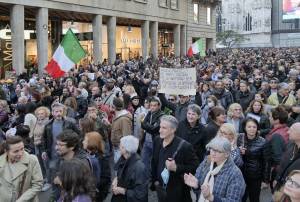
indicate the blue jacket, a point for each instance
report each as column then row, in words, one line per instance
column 229, row 184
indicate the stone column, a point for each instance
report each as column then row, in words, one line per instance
column 154, row 38
column 17, row 38
column 176, row 33
column 97, row 39
column 145, row 37
column 183, row 40
column 111, row 39
column 42, row 39
column 56, row 33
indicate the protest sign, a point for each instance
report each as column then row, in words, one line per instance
column 178, row 81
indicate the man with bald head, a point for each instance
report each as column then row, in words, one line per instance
column 291, row 158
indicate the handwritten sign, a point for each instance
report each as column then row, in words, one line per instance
column 177, row 81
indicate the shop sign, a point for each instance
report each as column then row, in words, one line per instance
column 6, row 54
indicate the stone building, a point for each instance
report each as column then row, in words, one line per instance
column 31, row 30
column 260, row 21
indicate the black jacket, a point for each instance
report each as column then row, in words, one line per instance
column 186, row 162
column 244, row 98
column 82, row 106
column 254, row 158
column 290, row 161
column 196, row 136
column 131, row 175
column 179, row 109
column 151, row 123
column 67, row 124
column 211, row 130
column 225, row 98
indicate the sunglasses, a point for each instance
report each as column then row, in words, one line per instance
column 172, row 100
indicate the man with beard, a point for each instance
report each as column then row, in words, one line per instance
column 55, row 127
column 68, row 147
column 224, row 96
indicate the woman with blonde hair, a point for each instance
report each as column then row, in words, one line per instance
column 235, row 116
column 227, row 130
column 42, row 114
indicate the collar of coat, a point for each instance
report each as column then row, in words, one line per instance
column 21, row 167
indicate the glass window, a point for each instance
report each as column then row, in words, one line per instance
column 196, row 12
column 163, row 3
column 174, row 4
column 208, row 16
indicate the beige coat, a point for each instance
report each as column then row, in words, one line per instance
column 28, row 166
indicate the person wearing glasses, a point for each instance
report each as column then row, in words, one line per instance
column 283, row 96
column 217, row 177
column 291, row 188
column 235, row 116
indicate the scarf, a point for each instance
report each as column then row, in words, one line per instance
column 210, row 178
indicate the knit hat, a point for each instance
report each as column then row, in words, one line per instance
column 118, row 103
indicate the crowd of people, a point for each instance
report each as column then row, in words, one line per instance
column 106, row 128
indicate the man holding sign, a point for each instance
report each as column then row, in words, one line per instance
column 180, row 82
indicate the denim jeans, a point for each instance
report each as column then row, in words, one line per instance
column 146, row 155
column 43, row 163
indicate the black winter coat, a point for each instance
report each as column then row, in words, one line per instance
column 179, row 109
column 224, row 97
column 196, row 136
column 151, row 123
column 47, row 146
column 290, row 161
column 131, row 175
column 244, row 98
column 186, row 162
column 254, row 158
column 82, row 106
column 211, row 130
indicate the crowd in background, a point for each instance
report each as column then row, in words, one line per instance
column 106, row 129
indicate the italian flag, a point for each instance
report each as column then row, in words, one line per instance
column 197, row 47
column 68, row 53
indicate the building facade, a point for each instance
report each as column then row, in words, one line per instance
column 260, row 21
column 31, row 30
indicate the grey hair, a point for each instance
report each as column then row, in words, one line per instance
column 194, row 108
column 130, row 144
column 170, row 119
column 57, row 104
column 220, row 144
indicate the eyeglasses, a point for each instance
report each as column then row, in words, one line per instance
column 273, row 82
column 292, row 182
column 172, row 100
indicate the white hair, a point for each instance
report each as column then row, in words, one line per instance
column 130, row 143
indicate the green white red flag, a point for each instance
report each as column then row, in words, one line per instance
column 68, row 53
column 197, row 47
